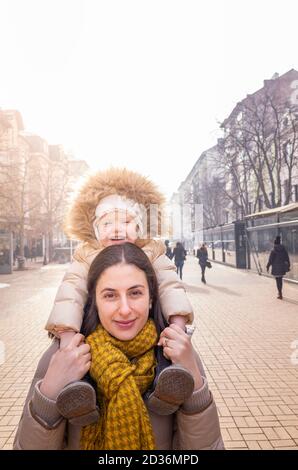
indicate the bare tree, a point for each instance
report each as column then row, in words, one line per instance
column 55, row 183
column 210, row 193
column 259, row 150
column 18, row 197
column 58, row 194
column 214, row 200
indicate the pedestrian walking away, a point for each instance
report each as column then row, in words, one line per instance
column 280, row 262
column 202, row 255
column 179, row 255
column 33, row 253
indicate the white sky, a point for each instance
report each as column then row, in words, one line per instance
column 136, row 83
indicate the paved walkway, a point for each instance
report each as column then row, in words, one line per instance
column 244, row 335
column 24, row 308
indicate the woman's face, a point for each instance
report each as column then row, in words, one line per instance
column 122, row 299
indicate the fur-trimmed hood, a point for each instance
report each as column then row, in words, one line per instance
column 132, row 185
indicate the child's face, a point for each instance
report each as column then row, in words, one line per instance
column 117, row 227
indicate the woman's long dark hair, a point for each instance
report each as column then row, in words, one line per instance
column 110, row 256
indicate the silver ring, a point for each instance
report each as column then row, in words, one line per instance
column 189, row 329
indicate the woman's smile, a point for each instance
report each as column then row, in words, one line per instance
column 125, row 324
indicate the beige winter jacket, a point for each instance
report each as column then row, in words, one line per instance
column 195, row 426
column 67, row 313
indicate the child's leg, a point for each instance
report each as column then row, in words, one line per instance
column 77, row 402
column 172, row 385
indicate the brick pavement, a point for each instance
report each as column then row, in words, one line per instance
column 243, row 334
column 24, row 307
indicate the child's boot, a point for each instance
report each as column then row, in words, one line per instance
column 174, row 385
column 77, row 403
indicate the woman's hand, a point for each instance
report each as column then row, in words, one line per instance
column 67, row 365
column 178, row 348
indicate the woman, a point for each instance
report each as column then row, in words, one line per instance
column 202, row 254
column 179, row 255
column 280, row 262
column 122, row 324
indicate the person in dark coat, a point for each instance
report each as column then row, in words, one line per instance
column 202, row 255
column 169, row 253
column 16, row 254
column 179, row 255
column 33, row 253
column 26, row 252
column 280, row 262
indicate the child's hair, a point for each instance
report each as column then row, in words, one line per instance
column 113, row 182
column 116, row 254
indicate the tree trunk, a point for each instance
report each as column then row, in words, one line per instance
column 50, row 245
column 21, row 258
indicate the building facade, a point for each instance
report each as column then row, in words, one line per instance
column 253, row 169
column 36, row 182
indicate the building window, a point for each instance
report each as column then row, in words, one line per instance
column 226, row 217
column 271, row 199
column 250, row 207
column 261, row 203
column 287, row 193
column 296, row 192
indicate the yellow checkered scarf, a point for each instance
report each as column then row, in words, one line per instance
column 123, row 371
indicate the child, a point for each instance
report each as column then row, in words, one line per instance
column 110, row 210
